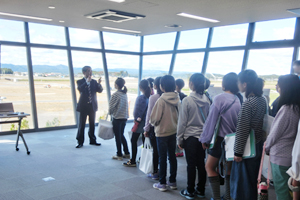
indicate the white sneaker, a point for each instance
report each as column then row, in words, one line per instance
column 117, row 157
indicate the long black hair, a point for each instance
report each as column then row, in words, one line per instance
column 157, row 84
column 254, row 84
column 230, row 83
column 120, row 82
column 289, row 91
column 150, row 80
column 145, row 86
column 198, row 81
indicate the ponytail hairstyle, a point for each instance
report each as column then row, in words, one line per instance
column 198, row 81
column 230, row 83
column 254, row 84
column 145, row 86
column 289, row 91
column 157, row 84
column 120, row 82
column 150, row 80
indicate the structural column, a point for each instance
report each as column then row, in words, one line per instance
column 174, row 53
column 297, row 42
column 141, row 62
column 249, row 40
column 30, row 77
column 206, row 54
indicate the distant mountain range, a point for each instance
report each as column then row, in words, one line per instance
column 63, row 69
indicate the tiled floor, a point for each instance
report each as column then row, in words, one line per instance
column 86, row 173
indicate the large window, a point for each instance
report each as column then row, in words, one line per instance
column 156, row 65
column 52, row 87
column 94, row 60
column 121, row 42
column 234, row 35
column 274, row 30
column 159, row 42
column 12, row 31
column 193, row 39
column 127, row 67
column 187, row 64
column 14, row 85
column 84, row 38
column 46, row 34
column 270, row 64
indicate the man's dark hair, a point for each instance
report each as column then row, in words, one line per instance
column 167, row 82
column 296, row 62
column 179, row 83
column 230, row 83
column 85, row 68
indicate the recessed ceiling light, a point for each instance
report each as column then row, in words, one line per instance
column 25, row 16
column 61, row 21
column 117, row 1
column 119, row 29
column 172, row 26
column 294, row 11
column 197, row 17
column 51, row 7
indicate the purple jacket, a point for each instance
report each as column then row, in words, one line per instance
column 229, row 118
column 140, row 107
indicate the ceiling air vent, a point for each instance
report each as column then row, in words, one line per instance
column 114, row 16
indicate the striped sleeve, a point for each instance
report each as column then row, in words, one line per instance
column 113, row 103
column 243, row 129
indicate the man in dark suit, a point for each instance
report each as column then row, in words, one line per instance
column 87, row 105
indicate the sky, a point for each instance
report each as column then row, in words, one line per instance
column 265, row 62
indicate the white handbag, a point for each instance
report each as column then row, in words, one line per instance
column 105, row 130
column 146, row 162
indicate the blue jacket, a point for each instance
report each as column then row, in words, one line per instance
column 84, row 94
column 140, row 108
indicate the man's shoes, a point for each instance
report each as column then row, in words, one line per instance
column 95, row 143
column 79, row 146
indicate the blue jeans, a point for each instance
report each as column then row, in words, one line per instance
column 166, row 148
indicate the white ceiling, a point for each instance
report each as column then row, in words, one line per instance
column 158, row 12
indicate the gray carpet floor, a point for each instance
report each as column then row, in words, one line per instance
column 86, row 173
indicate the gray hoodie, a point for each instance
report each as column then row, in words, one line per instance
column 164, row 116
column 190, row 123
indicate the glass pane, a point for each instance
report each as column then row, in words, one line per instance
column 219, row 64
column 94, row 60
column 156, row 65
column 193, row 39
column 160, row 42
column 282, row 29
column 127, row 67
column 14, row 84
column 46, row 34
column 12, row 31
column 52, row 87
column 234, row 35
column 121, row 42
column 269, row 64
column 187, row 64
column 84, row 38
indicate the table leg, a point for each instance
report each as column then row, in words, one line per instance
column 20, row 134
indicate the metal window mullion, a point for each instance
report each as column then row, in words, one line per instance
column 105, row 67
column 71, row 74
column 174, row 53
column 206, row 54
column 250, row 34
column 297, row 42
column 141, row 62
column 30, row 77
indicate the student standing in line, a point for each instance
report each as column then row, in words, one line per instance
column 244, row 172
column 149, row 130
column 164, row 118
column 190, row 127
column 179, row 86
column 280, row 142
column 151, row 80
column 228, row 106
column 139, row 113
column 118, row 108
